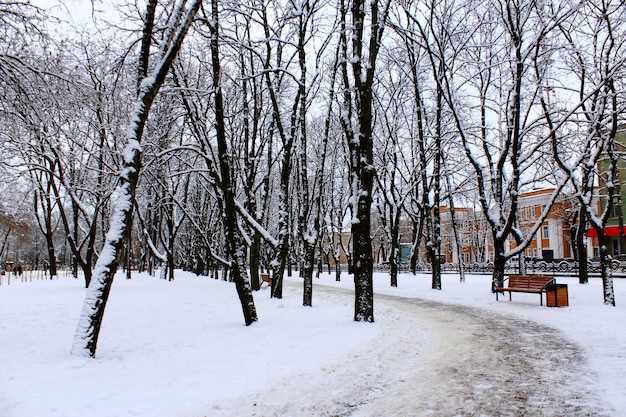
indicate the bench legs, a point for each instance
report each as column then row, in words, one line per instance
column 503, row 293
column 510, row 299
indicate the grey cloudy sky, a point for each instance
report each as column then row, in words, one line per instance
column 76, row 11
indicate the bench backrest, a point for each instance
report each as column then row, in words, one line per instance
column 535, row 282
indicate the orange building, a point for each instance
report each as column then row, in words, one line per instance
column 473, row 232
column 553, row 239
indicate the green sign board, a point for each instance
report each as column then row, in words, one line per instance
column 405, row 252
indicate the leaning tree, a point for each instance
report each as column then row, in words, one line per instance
column 150, row 78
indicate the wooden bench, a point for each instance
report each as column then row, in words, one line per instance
column 526, row 283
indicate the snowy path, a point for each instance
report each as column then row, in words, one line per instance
column 440, row 360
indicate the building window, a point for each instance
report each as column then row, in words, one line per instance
column 615, row 209
column 545, row 232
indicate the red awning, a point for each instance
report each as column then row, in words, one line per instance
column 609, row 230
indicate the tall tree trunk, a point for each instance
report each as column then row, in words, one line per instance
column 337, row 268
column 418, row 226
column 255, row 262
column 435, row 263
column 360, row 143
column 434, row 237
column 395, row 246
column 46, row 228
column 170, row 259
column 455, row 229
column 86, row 337
column 309, row 261
column 499, row 263
column 432, row 215
column 52, row 259
column 282, row 251
column 420, row 218
column 129, row 246
column 336, row 253
column 309, row 205
column 606, row 273
column 75, row 227
column 234, row 242
column 581, row 247
column 282, row 259
column 363, row 265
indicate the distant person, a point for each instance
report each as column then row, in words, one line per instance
column 18, row 270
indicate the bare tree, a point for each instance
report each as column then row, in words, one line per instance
column 150, row 80
column 310, row 195
column 256, row 132
column 435, row 28
column 366, row 31
column 235, row 245
column 396, row 171
column 287, row 131
column 586, row 147
column 498, row 89
column 413, row 60
column 335, row 203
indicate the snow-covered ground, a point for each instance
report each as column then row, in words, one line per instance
column 180, row 349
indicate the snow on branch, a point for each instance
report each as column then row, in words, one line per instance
column 256, row 226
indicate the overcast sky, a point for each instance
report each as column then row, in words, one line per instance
column 76, row 11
